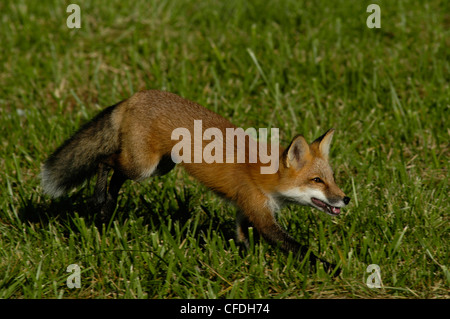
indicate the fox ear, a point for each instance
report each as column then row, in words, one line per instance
column 324, row 142
column 296, row 152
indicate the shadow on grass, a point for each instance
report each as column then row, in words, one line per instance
column 195, row 219
column 63, row 210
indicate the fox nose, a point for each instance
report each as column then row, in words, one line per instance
column 346, row 200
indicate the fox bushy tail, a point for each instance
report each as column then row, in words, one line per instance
column 78, row 157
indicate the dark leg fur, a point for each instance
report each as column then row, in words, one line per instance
column 106, row 198
column 100, row 191
column 109, row 206
column 271, row 231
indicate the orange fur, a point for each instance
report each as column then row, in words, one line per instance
column 141, row 128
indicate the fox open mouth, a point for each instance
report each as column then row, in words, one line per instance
column 334, row 211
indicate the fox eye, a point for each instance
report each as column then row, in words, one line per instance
column 317, row 180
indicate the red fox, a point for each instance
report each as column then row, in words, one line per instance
column 134, row 138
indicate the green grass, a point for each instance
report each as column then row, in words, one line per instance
column 301, row 67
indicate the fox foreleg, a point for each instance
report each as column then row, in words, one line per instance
column 264, row 222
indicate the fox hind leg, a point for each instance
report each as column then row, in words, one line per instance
column 106, row 197
column 100, row 190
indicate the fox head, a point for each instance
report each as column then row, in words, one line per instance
column 306, row 177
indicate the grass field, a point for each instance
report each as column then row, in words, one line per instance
column 301, row 66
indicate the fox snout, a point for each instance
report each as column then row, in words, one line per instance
column 328, row 198
column 333, row 207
